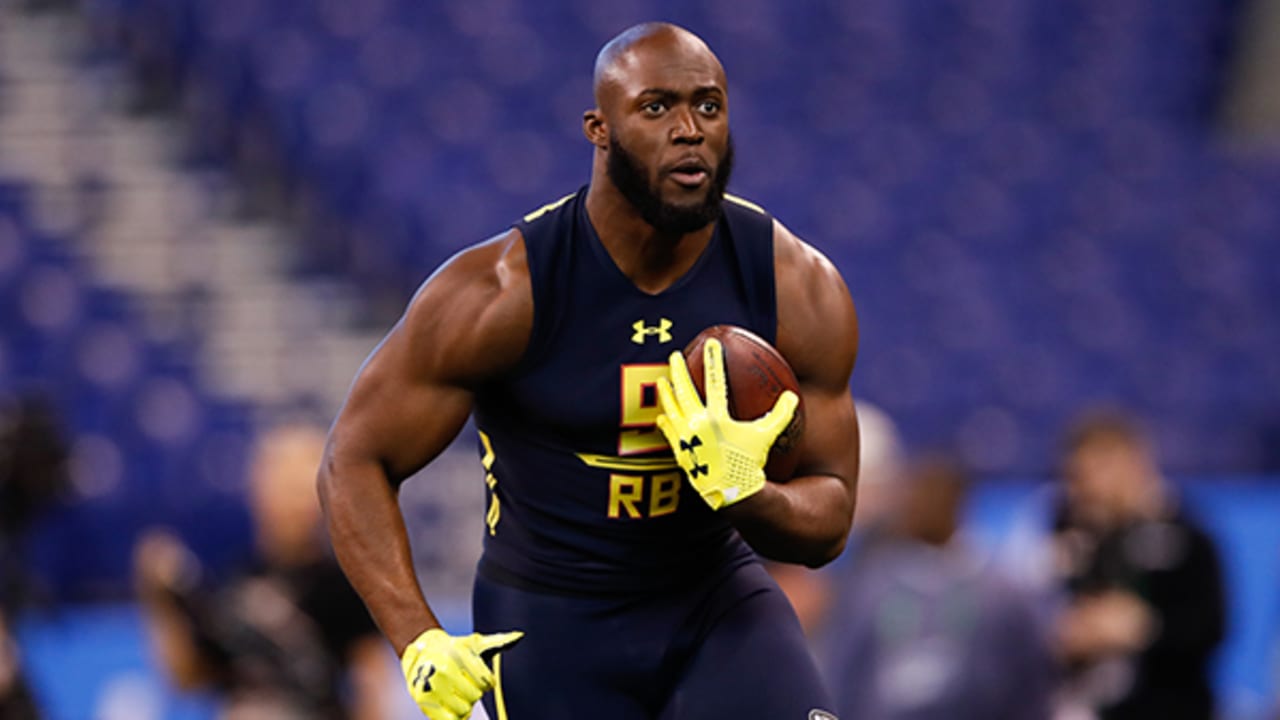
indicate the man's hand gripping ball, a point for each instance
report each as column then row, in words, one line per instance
column 723, row 458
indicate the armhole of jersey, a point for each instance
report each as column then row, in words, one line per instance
column 539, row 231
column 537, row 333
column 751, row 228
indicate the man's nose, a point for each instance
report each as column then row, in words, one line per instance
column 686, row 128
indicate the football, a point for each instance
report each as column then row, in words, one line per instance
column 756, row 374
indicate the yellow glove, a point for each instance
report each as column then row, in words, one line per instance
column 447, row 674
column 722, row 457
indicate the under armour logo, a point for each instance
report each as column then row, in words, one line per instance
column 642, row 331
column 691, row 448
column 422, row 678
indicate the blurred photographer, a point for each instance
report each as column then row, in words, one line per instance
column 1145, row 608
column 288, row 638
column 923, row 628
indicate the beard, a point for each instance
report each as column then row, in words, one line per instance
column 632, row 180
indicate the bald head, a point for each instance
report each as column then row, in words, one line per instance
column 621, row 55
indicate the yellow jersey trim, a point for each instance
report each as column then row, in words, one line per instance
column 744, row 203
column 494, row 513
column 613, row 462
column 548, row 208
column 497, row 687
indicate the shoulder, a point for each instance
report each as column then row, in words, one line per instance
column 472, row 318
column 817, row 323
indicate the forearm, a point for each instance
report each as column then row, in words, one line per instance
column 805, row 520
column 372, row 546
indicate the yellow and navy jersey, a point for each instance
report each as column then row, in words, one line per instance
column 584, row 493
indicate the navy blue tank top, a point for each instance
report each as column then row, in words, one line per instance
column 584, row 494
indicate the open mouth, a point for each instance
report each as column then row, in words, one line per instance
column 690, row 174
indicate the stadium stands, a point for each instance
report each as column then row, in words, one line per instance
column 148, row 445
column 1027, row 198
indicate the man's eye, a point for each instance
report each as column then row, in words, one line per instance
column 655, row 107
column 709, row 107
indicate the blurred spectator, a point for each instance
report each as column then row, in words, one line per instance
column 16, row 701
column 286, row 639
column 1145, row 607
column 33, row 476
column 879, row 462
column 922, row 628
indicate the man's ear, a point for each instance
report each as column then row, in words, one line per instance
column 596, row 128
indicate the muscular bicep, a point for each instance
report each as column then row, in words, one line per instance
column 398, row 413
column 830, row 441
column 467, row 323
column 818, row 334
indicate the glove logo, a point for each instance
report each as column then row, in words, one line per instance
column 422, row 678
column 691, row 448
column 644, row 332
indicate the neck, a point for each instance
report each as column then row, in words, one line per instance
column 651, row 259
